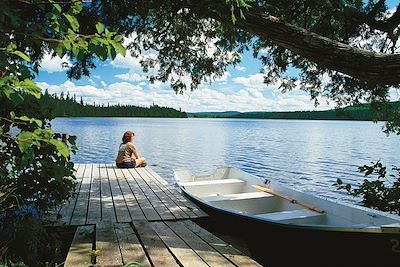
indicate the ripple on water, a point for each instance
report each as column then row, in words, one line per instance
column 305, row 155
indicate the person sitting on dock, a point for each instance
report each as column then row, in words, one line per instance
column 128, row 156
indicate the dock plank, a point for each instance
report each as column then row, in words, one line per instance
column 94, row 208
column 131, row 249
column 135, row 211
column 107, row 203
column 80, row 211
column 176, row 211
column 66, row 210
column 107, row 245
column 231, row 253
column 148, row 210
column 159, row 254
column 202, row 248
column 190, row 208
column 155, row 201
column 139, row 219
column 185, row 255
column 79, row 253
column 121, row 209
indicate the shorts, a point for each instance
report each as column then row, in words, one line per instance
column 131, row 164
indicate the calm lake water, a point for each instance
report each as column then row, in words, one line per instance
column 306, row 155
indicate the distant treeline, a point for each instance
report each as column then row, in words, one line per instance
column 67, row 106
column 362, row 112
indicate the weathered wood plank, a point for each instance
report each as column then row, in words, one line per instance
column 135, row 211
column 121, row 209
column 80, row 211
column 94, row 208
column 79, row 253
column 161, row 209
column 148, row 210
column 155, row 176
column 52, row 216
column 107, row 204
column 203, row 249
column 155, row 248
column 131, row 249
column 164, row 195
column 66, row 210
column 185, row 255
column 231, row 253
column 107, row 245
column 187, row 206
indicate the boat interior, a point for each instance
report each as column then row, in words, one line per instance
column 236, row 191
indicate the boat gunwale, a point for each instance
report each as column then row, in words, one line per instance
column 373, row 229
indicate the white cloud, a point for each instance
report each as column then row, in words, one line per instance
column 54, row 64
column 202, row 99
column 254, row 81
column 91, row 82
column 133, row 77
column 103, row 83
column 240, row 68
column 135, row 73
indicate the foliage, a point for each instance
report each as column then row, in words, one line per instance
column 361, row 112
column 35, row 171
column 68, row 107
column 382, row 193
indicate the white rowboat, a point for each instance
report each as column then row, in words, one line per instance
column 273, row 218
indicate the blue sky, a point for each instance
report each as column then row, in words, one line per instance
column 122, row 81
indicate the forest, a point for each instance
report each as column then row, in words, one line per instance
column 361, row 112
column 68, row 106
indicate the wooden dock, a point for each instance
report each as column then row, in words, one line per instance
column 133, row 217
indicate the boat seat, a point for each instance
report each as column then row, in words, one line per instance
column 214, row 187
column 238, row 196
column 212, row 182
column 291, row 215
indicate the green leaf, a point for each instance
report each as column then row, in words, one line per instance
column 30, row 87
column 348, row 187
column 111, row 52
column 24, row 140
column 118, row 38
column 100, row 51
column 21, row 55
column 61, row 147
column 120, row 49
column 38, row 122
column 61, row 50
column 108, row 34
column 11, row 47
column 58, row 7
column 100, row 27
column 24, row 118
column 76, row 7
column 67, row 44
column 72, row 139
column 73, row 22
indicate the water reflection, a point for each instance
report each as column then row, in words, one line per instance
column 307, row 155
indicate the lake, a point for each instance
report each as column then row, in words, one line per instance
column 306, row 155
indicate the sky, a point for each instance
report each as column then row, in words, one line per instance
column 122, row 81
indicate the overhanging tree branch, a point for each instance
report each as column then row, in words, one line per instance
column 376, row 68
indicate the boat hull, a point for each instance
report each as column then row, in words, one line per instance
column 277, row 244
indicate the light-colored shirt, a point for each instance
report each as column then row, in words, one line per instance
column 126, row 152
